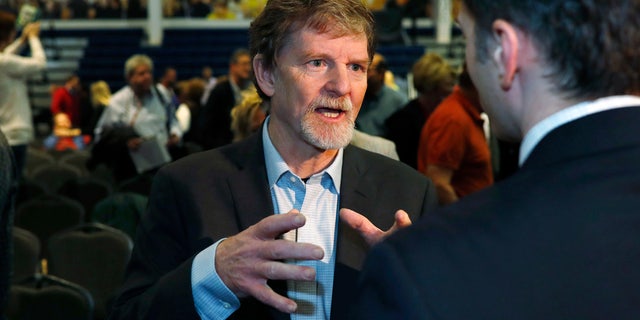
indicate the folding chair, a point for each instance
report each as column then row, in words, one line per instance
column 48, row 297
column 94, row 256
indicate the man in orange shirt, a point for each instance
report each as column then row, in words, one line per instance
column 453, row 150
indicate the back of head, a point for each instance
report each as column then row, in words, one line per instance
column 243, row 117
column 270, row 31
column 591, row 47
column 7, row 25
column 100, row 93
column 431, row 73
column 194, row 89
column 379, row 63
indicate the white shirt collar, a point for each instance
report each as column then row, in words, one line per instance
column 542, row 128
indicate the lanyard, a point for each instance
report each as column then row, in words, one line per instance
column 137, row 104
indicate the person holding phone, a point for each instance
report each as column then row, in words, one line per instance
column 15, row 108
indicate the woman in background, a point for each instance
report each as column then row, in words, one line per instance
column 15, row 108
column 100, row 96
column 247, row 117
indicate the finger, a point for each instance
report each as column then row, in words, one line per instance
column 402, row 219
column 358, row 222
column 275, row 270
column 277, row 224
column 266, row 295
column 285, row 249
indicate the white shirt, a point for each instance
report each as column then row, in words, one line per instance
column 15, row 109
column 542, row 128
column 183, row 114
column 148, row 117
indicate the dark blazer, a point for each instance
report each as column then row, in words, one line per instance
column 214, row 194
column 559, row 239
column 215, row 122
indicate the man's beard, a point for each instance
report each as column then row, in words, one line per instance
column 328, row 136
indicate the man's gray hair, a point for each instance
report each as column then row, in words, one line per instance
column 135, row 61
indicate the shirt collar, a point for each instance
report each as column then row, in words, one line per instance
column 276, row 166
column 542, row 128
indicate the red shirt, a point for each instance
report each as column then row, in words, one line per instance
column 453, row 138
column 63, row 101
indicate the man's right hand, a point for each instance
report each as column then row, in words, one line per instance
column 247, row 260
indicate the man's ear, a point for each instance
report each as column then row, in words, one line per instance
column 505, row 55
column 264, row 75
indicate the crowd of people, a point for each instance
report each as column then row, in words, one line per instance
column 209, row 9
column 307, row 183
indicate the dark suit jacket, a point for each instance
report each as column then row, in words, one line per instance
column 214, row 194
column 216, row 116
column 560, row 239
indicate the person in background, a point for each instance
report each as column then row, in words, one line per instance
column 100, row 94
column 15, row 109
column 199, row 8
column 166, row 84
column 374, row 144
column 135, row 113
column 222, row 10
column 433, row 79
column 380, row 100
column 453, row 150
column 210, row 83
column 254, row 230
column 66, row 99
column 65, row 136
column 106, row 9
column 228, row 92
column 558, row 239
column 189, row 93
column 247, row 117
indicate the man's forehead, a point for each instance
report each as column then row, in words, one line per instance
column 295, row 38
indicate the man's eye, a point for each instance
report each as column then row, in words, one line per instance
column 357, row 67
column 315, row 63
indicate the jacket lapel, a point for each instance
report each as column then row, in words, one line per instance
column 357, row 195
column 249, row 186
column 251, row 195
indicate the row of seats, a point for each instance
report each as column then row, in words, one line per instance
column 57, row 193
column 84, row 269
column 72, row 237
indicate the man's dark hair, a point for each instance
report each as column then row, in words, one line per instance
column 592, row 47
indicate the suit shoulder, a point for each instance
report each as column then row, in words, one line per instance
column 378, row 164
column 215, row 161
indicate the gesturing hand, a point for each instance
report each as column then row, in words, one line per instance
column 247, row 260
column 368, row 230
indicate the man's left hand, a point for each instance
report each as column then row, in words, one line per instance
column 368, row 230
